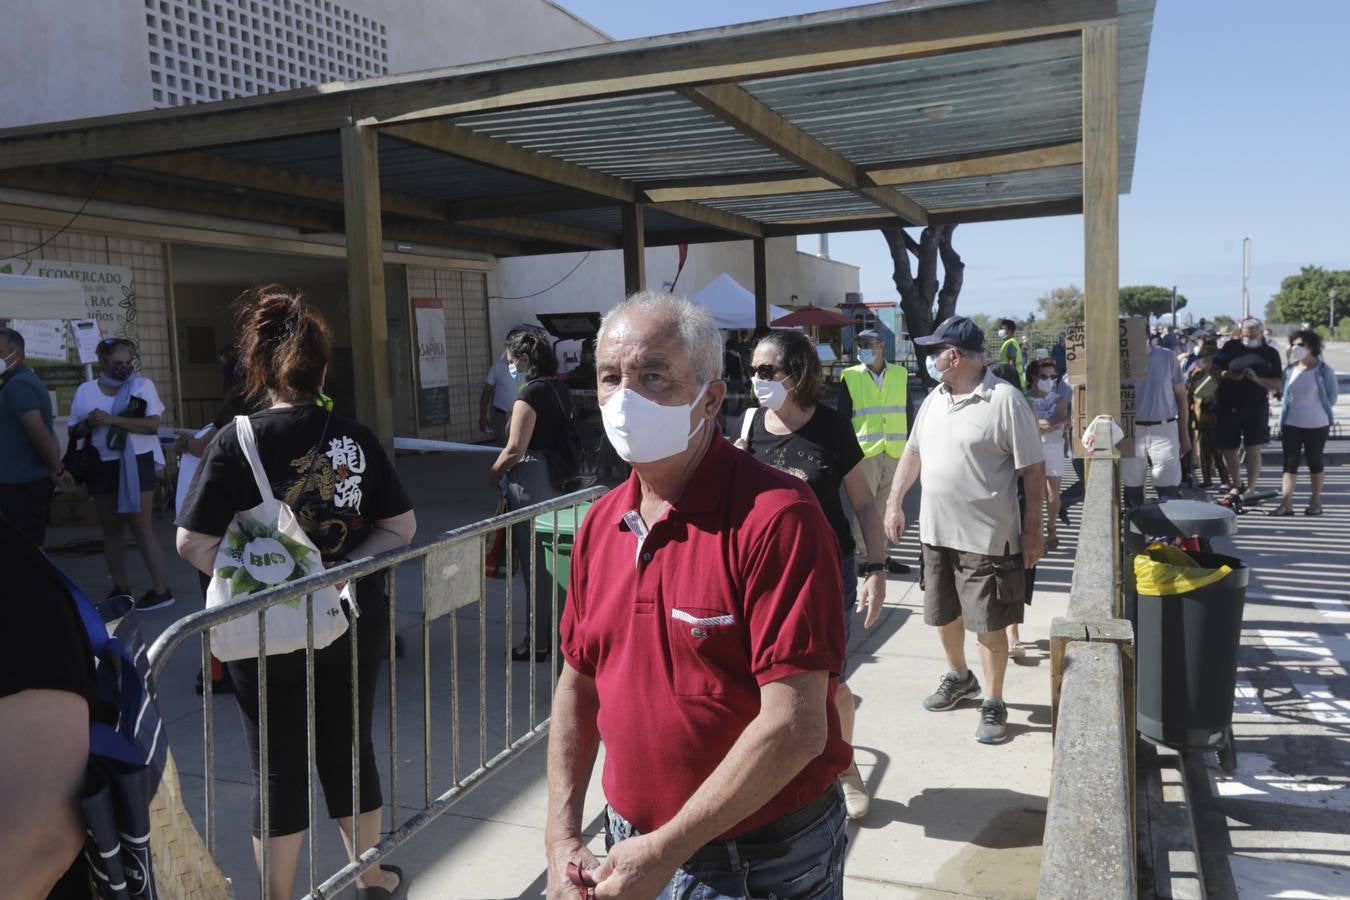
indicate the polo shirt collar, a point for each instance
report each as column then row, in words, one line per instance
column 706, row 486
column 983, row 391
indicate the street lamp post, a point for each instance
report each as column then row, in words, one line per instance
column 1246, row 273
column 1331, row 313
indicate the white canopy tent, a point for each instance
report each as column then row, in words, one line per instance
column 29, row 297
column 731, row 305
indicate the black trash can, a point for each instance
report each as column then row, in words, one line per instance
column 1169, row 520
column 1186, row 660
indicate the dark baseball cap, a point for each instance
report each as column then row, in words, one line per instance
column 958, row 331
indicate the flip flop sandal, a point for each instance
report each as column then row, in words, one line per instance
column 1311, row 510
column 1281, row 511
column 379, row 893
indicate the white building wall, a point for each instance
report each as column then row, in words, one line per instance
column 597, row 284
column 68, row 59
column 428, row 34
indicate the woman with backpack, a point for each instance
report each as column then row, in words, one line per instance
column 336, row 478
column 532, row 465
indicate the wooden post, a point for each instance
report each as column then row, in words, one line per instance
column 1101, row 219
column 761, row 285
column 634, row 250
column 365, row 282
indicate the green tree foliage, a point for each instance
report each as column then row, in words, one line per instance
column 1060, row 308
column 1224, row 323
column 1148, row 300
column 1305, row 297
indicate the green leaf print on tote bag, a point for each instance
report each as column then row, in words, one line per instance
column 264, row 547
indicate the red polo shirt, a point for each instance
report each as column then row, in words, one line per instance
column 736, row 586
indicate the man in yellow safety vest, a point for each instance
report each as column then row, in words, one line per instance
column 1010, row 351
column 875, row 397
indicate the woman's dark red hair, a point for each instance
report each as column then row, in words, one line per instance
column 284, row 344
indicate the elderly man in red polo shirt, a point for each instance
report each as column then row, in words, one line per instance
column 703, row 642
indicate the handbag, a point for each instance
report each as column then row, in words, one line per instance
column 569, row 468
column 262, row 548
column 81, row 459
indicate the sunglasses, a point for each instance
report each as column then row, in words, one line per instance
column 766, row 371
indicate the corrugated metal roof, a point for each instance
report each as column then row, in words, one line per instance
column 644, row 138
column 550, row 160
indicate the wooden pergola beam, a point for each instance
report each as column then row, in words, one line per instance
column 256, row 177
column 998, row 163
column 132, row 192
column 947, row 216
column 842, row 38
column 739, row 109
column 490, row 151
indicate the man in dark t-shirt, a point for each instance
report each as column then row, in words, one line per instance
column 1249, row 370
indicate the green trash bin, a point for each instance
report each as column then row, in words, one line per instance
column 565, row 522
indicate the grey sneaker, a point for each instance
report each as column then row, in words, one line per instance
column 951, row 691
column 993, row 723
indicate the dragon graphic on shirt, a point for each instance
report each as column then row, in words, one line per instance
column 326, row 495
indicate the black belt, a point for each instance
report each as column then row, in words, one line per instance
column 767, row 841
column 1163, row 422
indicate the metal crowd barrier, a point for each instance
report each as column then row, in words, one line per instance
column 452, row 578
column 1088, row 848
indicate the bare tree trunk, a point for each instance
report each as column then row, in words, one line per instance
column 919, row 291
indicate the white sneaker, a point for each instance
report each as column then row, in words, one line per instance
column 856, row 801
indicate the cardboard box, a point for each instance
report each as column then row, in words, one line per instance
column 1133, row 349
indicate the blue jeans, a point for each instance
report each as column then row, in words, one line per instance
column 812, row 869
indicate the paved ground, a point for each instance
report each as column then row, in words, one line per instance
column 1280, row 824
column 950, row 817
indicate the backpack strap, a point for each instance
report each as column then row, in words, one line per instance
column 748, row 420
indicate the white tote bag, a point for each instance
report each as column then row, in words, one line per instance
column 264, row 547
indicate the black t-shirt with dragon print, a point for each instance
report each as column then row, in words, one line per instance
column 330, row 471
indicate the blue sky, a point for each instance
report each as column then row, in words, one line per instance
column 1245, row 131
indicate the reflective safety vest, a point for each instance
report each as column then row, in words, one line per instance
column 880, row 419
column 1011, row 352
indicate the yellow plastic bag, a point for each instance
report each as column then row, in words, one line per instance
column 1165, row 571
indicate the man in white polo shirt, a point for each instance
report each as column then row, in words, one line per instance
column 500, row 388
column 971, row 440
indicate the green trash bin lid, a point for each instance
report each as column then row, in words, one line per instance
column 1183, row 518
column 566, row 520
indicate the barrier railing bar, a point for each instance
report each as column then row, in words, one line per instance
column 390, row 592
column 257, row 604
column 511, row 550
column 345, row 876
column 354, row 681
column 264, row 795
column 311, row 738
column 209, row 735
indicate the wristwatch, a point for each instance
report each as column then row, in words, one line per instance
column 869, row 568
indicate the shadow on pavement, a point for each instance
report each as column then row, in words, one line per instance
column 992, row 818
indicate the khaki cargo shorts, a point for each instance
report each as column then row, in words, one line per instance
column 986, row 591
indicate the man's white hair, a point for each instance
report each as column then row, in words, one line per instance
column 698, row 333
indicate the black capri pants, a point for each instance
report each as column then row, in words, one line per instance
column 1297, row 441
column 288, row 763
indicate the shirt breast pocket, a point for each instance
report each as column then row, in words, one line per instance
column 705, row 651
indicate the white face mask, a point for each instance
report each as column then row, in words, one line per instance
column 1003, row 333
column 770, row 394
column 1296, row 353
column 644, row 431
column 4, row 362
column 513, row 369
column 1045, row 385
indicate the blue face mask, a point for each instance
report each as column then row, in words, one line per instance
column 933, row 372
column 867, row 356
column 511, row 367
